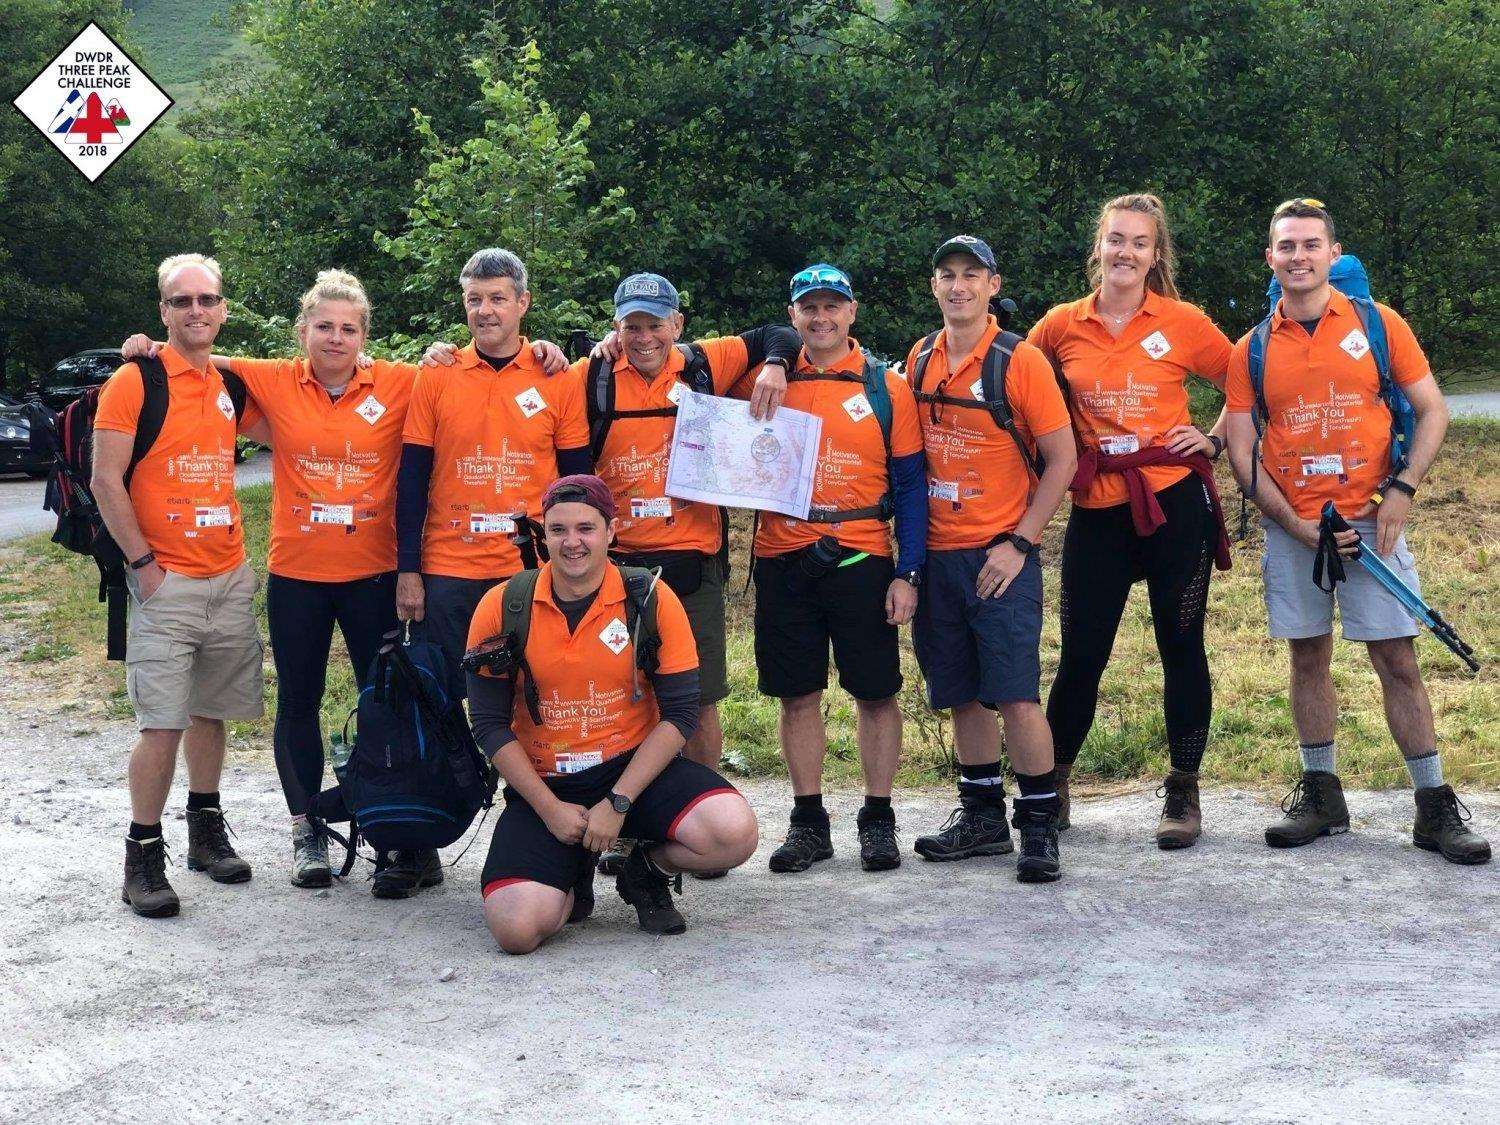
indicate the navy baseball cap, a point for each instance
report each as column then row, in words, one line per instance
column 647, row 293
column 967, row 244
column 821, row 276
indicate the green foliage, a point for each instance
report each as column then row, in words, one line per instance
column 518, row 184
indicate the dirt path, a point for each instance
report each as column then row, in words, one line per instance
column 1359, row 978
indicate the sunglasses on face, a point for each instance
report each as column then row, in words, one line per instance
column 203, row 301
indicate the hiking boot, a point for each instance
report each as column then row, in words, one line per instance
column 612, row 862
column 1441, row 827
column 146, row 888
column 1315, row 807
column 649, row 890
column 407, row 872
column 583, row 895
column 309, row 857
column 209, row 848
column 708, row 876
column 1039, row 861
column 804, row 846
column 974, row 828
column 1181, row 820
column 878, row 849
column 1063, row 774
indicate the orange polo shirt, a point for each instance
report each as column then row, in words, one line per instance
column 851, row 470
column 1328, row 436
column 586, row 677
column 1127, row 393
column 183, row 489
column 977, row 484
column 494, row 438
column 634, row 459
column 333, row 466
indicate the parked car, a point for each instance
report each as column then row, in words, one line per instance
column 15, row 442
column 70, row 377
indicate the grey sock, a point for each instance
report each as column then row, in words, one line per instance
column 1426, row 771
column 1317, row 758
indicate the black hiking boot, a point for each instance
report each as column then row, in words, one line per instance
column 805, row 845
column 146, row 890
column 209, row 848
column 583, row 894
column 407, row 872
column 1039, row 861
column 1315, row 807
column 1441, row 827
column 878, row 848
column 649, row 890
column 612, row 862
column 974, row 828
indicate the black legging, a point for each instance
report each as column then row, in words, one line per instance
column 301, row 616
column 1102, row 558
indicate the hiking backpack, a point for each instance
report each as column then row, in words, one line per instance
column 68, row 438
column 1349, row 278
column 415, row 778
column 878, row 395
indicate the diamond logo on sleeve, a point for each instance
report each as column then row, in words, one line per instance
column 1155, row 345
column 1355, row 344
column 370, row 410
column 615, row 636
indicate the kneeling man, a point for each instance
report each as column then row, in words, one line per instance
column 586, row 735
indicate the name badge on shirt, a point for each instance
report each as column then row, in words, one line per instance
column 1355, row 344
column 226, row 405
column 858, row 408
column 1323, row 465
column 942, row 489
column 674, row 396
column 1155, row 345
column 340, row 514
column 1119, row 444
column 212, row 516
column 370, row 410
column 655, row 507
column 615, row 636
column 578, row 760
column 489, row 523
column 530, row 402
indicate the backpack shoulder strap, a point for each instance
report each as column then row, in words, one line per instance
column 640, row 615
column 697, row 372
column 1374, row 328
column 1260, row 338
column 515, row 609
column 599, row 400
column 992, row 384
column 154, row 402
column 880, row 399
column 924, row 355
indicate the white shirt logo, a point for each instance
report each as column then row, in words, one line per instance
column 530, row 402
column 976, row 388
column 1355, row 344
column 1155, row 345
column 858, row 408
column 226, row 405
column 615, row 636
column 674, row 396
column 370, row 410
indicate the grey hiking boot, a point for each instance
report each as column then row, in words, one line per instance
column 1039, row 861
column 146, row 890
column 309, row 857
column 1441, row 827
column 974, row 828
column 1315, row 807
column 1064, row 775
column 1181, row 820
column 209, row 848
column 805, row 845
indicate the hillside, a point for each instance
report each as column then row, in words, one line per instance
column 182, row 39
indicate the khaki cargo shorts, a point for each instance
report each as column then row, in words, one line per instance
column 193, row 648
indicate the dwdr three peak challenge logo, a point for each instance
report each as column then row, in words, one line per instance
column 93, row 102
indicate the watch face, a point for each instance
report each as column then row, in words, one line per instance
column 621, row 804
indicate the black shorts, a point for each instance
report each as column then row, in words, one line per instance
column 523, row 848
column 450, row 605
column 796, row 617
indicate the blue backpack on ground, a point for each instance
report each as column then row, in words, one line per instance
column 1348, row 276
column 415, row 777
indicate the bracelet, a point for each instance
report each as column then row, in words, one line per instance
column 144, row 561
column 1218, row 444
column 1401, row 486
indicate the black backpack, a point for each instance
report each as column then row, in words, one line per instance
column 68, row 438
column 415, row 778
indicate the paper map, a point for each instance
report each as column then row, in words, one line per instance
column 721, row 455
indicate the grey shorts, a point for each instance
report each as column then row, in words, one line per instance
column 194, row 648
column 705, row 614
column 1297, row 609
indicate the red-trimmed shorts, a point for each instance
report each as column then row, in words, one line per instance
column 524, row 849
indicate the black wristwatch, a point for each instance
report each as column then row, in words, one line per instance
column 620, row 803
column 1400, row 486
column 144, row 561
column 1218, row 444
column 912, row 578
column 1020, row 543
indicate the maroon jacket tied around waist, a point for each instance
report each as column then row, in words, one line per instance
column 1145, row 512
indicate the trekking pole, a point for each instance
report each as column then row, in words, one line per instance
column 1388, row 578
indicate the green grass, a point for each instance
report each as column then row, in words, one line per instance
column 183, row 40
column 1455, row 536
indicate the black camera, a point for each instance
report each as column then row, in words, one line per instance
column 497, row 656
column 821, row 557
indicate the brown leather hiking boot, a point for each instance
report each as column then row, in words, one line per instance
column 209, row 848
column 1181, row 820
column 146, row 888
column 1315, row 807
column 1440, row 827
column 1063, row 774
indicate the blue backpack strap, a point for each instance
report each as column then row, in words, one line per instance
column 880, row 399
column 1403, row 417
column 1260, row 339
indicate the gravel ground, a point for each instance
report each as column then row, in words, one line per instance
column 1357, row 978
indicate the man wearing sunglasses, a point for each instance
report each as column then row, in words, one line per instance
column 1000, row 455
column 193, row 657
column 829, row 578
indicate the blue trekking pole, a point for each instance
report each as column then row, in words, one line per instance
column 1330, row 559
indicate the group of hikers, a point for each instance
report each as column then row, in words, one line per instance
column 418, row 495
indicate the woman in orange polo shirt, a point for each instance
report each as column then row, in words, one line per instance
column 1144, row 502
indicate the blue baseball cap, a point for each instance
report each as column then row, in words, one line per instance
column 647, row 293
column 967, row 244
column 821, row 276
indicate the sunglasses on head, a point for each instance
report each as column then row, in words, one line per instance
column 204, row 300
column 820, row 275
column 1318, row 203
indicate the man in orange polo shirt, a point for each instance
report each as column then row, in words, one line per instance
column 978, row 628
column 193, row 657
column 589, row 747
column 830, row 577
column 1327, row 437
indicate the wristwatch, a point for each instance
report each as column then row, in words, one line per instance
column 1020, row 543
column 620, row 803
column 144, row 561
column 912, row 578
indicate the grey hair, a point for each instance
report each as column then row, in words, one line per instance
column 494, row 262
